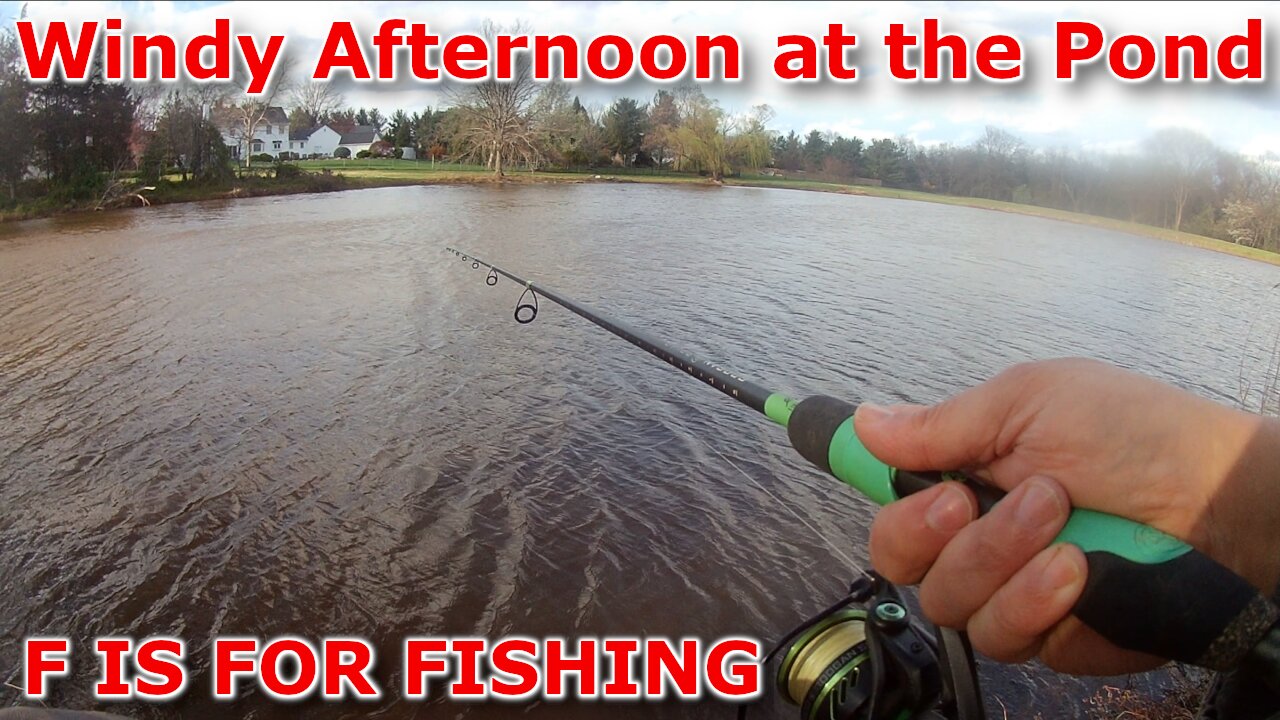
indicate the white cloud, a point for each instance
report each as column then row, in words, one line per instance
column 1262, row 145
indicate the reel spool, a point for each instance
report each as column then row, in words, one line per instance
column 867, row 658
column 825, row 659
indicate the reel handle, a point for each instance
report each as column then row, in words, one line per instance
column 1146, row 590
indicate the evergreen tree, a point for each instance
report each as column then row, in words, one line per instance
column 624, row 128
column 400, row 129
column 15, row 121
column 80, row 130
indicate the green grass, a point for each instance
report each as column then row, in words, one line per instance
column 1183, row 238
column 414, row 172
column 385, row 166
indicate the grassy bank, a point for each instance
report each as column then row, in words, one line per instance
column 332, row 175
column 396, row 172
column 1159, row 233
column 169, row 190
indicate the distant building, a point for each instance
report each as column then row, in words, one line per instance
column 270, row 136
column 319, row 140
column 359, row 138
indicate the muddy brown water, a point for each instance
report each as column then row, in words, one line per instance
column 301, row 416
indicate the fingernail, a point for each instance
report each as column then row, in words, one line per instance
column 870, row 412
column 1061, row 573
column 950, row 511
column 1038, row 506
column 873, row 412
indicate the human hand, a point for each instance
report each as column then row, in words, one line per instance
column 1054, row 435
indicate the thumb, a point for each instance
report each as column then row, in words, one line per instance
column 958, row 433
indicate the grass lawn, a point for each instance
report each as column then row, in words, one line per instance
column 1159, row 233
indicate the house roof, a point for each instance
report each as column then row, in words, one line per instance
column 276, row 116
column 303, row 134
column 224, row 116
column 359, row 134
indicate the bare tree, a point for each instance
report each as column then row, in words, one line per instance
column 557, row 123
column 246, row 113
column 1185, row 160
column 315, row 101
column 998, row 161
column 497, row 128
column 1252, row 212
column 664, row 118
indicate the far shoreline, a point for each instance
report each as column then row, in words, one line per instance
column 364, row 175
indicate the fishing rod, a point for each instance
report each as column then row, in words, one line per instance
column 1145, row 590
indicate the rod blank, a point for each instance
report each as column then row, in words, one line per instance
column 718, row 377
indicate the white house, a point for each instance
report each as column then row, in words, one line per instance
column 271, row 136
column 319, row 140
column 359, row 138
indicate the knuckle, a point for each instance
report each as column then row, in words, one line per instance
column 1002, row 646
column 891, row 559
column 899, row 574
column 1022, row 372
column 1019, row 616
column 997, row 548
column 900, row 546
column 941, row 607
column 931, row 423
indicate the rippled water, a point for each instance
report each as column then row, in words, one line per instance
column 300, row 415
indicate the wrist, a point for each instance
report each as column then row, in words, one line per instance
column 1243, row 518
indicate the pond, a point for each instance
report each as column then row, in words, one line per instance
column 300, row 415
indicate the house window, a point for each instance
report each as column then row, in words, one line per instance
column 257, row 146
column 275, row 145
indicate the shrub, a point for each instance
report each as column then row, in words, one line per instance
column 285, row 171
column 324, row 181
column 363, row 154
column 342, row 153
column 398, row 153
column 262, row 157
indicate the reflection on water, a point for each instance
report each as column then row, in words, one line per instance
column 300, row 415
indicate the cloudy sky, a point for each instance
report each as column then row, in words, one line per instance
column 1098, row 112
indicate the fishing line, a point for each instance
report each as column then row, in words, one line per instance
column 685, row 362
column 835, row 549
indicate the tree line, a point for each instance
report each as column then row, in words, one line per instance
column 71, row 133
column 1175, row 178
column 77, row 138
column 504, row 128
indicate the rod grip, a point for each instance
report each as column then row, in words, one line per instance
column 1146, row 590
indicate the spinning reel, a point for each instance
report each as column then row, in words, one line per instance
column 868, row 658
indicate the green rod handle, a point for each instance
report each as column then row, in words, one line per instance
column 1146, row 590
